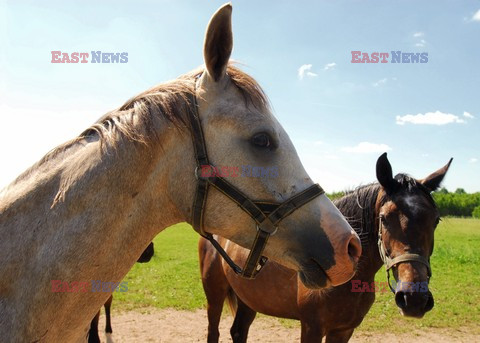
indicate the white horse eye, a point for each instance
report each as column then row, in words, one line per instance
column 261, row 140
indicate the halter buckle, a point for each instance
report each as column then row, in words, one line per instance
column 260, row 264
column 268, row 227
column 202, row 170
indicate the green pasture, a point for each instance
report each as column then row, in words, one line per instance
column 172, row 279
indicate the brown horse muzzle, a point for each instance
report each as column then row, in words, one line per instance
column 414, row 304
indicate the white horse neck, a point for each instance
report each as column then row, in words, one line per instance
column 84, row 213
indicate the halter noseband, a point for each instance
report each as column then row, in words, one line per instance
column 393, row 262
column 267, row 215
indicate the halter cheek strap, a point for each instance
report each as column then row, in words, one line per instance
column 267, row 215
column 393, row 262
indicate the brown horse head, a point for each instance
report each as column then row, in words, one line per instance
column 407, row 218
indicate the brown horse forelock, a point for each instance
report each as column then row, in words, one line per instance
column 136, row 119
column 411, row 185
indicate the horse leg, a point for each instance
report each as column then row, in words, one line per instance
column 108, row 325
column 339, row 336
column 215, row 285
column 243, row 319
column 311, row 331
column 93, row 332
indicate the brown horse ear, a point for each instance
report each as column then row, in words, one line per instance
column 384, row 173
column 433, row 181
column 218, row 43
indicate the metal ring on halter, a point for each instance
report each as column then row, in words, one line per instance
column 271, row 234
column 196, row 172
column 201, row 167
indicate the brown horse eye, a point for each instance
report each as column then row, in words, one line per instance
column 261, row 140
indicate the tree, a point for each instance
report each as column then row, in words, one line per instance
column 460, row 191
column 476, row 212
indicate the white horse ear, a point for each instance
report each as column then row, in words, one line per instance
column 218, row 43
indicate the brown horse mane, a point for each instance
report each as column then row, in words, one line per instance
column 360, row 203
column 135, row 119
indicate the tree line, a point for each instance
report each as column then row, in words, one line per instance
column 457, row 204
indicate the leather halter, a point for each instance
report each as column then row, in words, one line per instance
column 393, row 262
column 267, row 215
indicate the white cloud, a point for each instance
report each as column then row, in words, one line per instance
column 318, row 143
column 421, row 43
column 473, row 160
column 383, row 81
column 429, row 118
column 367, row 148
column 305, row 70
column 476, row 16
column 468, row 115
column 380, row 82
column 329, row 66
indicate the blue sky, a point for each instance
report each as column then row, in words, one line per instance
column 340, row 115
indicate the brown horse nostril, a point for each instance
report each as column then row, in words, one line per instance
column 401, row 300
column 430, row 302
column 354, row 248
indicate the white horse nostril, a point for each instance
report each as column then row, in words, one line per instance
column 354, row 248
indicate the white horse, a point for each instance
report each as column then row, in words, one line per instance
column 89, row 208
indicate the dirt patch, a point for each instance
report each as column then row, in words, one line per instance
column 172, row 326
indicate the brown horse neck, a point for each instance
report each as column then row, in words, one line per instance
column 362, row 207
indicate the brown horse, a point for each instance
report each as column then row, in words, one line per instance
column 93, row 332
column 398, row 215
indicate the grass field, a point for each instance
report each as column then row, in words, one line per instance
column 172, row 279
